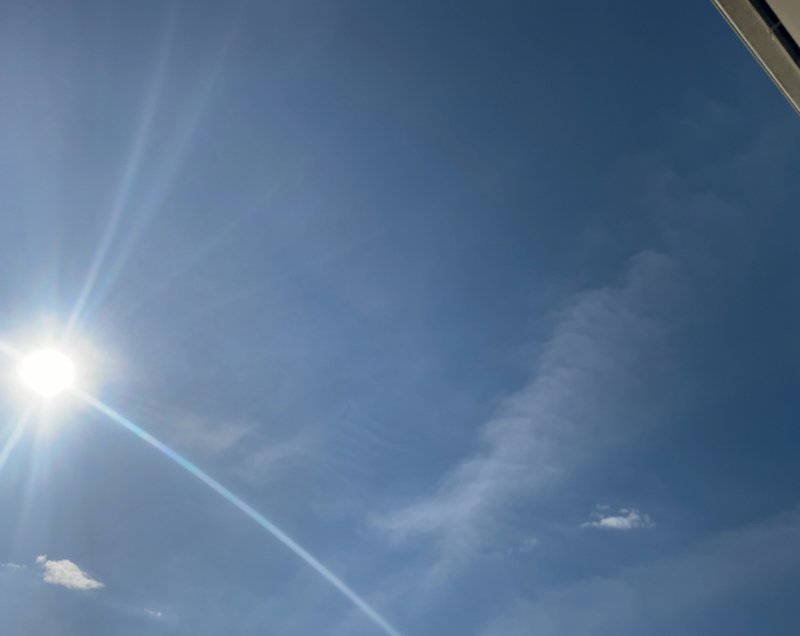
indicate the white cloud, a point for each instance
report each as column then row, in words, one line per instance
column 625, row 519
column 154, row 614
column 585, row 394
column 66, row 574
column 12, row 566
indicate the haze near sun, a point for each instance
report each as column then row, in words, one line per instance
column 47, row 372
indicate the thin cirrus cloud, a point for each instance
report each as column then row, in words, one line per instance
column 250, row 455
column 538, row 433
column 12, row 566
column 202, row 435
column 625, row 519
column 66, row 574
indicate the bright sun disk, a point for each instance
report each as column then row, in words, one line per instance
column 47, row 372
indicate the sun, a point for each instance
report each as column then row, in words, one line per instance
column 47, row 372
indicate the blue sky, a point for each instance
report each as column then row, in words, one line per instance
column 494, row 309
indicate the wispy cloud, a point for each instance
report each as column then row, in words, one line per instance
column 595, row 373
column 66, row 574
column 528, row 544
column 154, row 614
column 248, row 452
column 199, row 434
column 625, row 519
column 581, row 396
column 273, row 459
column 12, row 566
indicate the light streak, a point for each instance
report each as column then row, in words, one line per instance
column 244, row 507
column 13, row 439
column 129, row 175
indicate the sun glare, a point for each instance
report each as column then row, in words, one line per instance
column 47, row 372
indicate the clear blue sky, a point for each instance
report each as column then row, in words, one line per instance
column 493, row 307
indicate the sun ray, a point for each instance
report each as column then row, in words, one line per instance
column 244, row 507
column 173, row 157
column 13, row 439
column 129, row 175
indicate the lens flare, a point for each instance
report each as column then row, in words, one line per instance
column 251, row 512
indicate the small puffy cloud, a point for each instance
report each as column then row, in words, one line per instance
column 66, row 574
column 625, row 519
column 154, row 614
